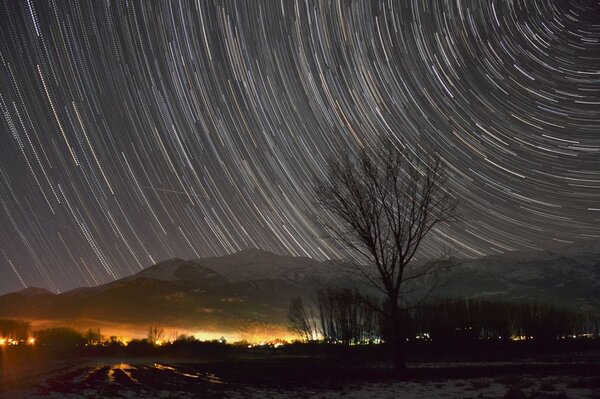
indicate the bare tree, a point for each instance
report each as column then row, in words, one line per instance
column 382, row 206
column 347, row 316
column 17, row 330
column 301, row 321
column 155, row 335
column 93, row 337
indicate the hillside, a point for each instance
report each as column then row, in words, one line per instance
column 252, row 288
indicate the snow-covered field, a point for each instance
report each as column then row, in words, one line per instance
column 163, row 380
column 478, row 388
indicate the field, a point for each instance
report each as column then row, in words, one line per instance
column 304, row 378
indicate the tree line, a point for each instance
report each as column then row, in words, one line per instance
column 346, row 316
column 17, row 330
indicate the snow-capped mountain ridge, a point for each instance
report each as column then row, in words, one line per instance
column 256, row 286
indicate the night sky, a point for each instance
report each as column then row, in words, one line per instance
column 132, row 132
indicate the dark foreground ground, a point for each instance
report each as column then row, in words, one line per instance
column 575, row 377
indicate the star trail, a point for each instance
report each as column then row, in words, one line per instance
column 132, row 132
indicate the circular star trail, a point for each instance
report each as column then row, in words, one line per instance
column 131, row 132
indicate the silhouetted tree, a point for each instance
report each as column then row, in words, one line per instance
column 93, row 337
column 155, row 334
column 382, row 207
column 302, row 321
column 141, row 347
column 60, row 338
column 452, row 320
column 346, row 316
column 14, row 329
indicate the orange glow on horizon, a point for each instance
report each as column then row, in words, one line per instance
column 125, row 332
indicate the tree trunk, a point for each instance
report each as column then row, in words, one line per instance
column 397, row 336
column 399, row 346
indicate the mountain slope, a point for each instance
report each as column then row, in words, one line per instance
column 252, row 288
column 568, row 276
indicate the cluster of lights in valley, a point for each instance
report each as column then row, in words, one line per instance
column 136, row 131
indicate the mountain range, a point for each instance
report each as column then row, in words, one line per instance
column 250, row 290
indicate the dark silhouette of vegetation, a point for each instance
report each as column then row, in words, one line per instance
column 302, row 321
column 451, row 320
column 140, row 347
column 17, row 330
column 446, row 326
column 188, row 346
column 155, row 334
column 60, row 339
column 381, row 206
column 93, row 337
column 346, row 316
column 337, row 316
